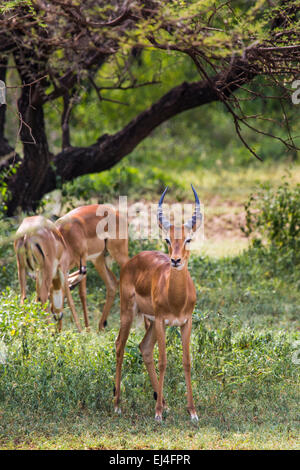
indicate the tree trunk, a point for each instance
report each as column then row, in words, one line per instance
column 7, row 153
column 27, row 185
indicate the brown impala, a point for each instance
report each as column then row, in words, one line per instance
column 161, row 287
column 48, row 251
column 86, row 240
column 41, row 251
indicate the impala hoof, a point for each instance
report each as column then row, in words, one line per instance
column 194, row 417
column 118, row 410
column 158, row 418
column 102, row 326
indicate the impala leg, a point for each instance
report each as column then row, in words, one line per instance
column 22, row 279
column 126, row 319
column 82, row 295
column 162, row 365
column 118, row 250
column 146, row 348
column 71, row 304
column 111, row 285
column 185, row 338
column 147, row 323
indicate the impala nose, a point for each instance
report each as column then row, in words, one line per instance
column 175, row 262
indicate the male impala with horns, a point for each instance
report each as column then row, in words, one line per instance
column 160, row 286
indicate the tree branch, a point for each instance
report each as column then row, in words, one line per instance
column 110, row 149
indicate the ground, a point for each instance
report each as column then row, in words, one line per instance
column 56, row 390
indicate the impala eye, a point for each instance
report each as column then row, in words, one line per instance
column 188, row 240
column 168, row 241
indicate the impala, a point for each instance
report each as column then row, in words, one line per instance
column 41, row 252
column 85, row 240
column 160, row 286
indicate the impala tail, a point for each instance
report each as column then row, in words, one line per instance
column 75, row 278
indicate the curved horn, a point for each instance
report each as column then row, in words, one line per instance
column 162, row 221
column 197, row 216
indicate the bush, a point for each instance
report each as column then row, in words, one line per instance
column 273, row 217
column 19, row 321
column 124, row 180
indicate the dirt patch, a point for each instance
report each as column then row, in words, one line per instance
column 224, row 220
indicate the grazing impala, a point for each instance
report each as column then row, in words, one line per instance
column 85, row 231
column 161, row 287
column 41, row 251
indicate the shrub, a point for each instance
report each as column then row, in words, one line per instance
column 273, row 217
column 16, row 320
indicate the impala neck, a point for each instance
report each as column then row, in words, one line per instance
column 177, row 288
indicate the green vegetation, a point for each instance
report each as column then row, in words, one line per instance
column 56, row 389
column 277, row 218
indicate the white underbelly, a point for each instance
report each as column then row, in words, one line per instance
column 175, row 322
column 93, row 256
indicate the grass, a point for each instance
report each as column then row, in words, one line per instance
column 246, row 396
column 223, row 247
column 136, row 432
column 56, row 390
